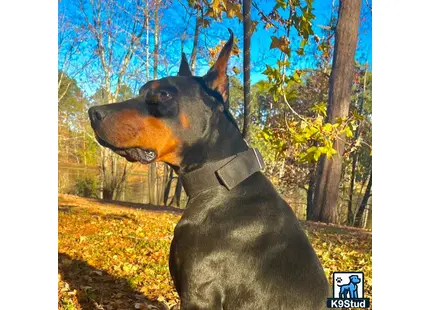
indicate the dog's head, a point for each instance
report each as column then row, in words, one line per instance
column 168, row 113
column 354, row 279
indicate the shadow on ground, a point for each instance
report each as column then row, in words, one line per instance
column 96, row 289
column 66, row 202
column 142, row 206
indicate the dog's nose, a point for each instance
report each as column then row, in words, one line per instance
column 97, row 114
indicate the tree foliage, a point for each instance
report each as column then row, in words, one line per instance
column 289, row 106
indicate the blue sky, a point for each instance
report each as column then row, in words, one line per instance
column 173, row 25
column 322, row 9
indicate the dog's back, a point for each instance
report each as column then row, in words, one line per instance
column 245, row 249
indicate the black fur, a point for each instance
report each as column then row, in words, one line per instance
column 244, row 249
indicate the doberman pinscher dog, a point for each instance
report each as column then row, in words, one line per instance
column 238, row 244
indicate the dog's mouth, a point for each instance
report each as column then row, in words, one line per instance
column 133, row 154
column 137, row 154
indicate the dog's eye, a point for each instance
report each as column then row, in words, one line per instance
column 164, row 95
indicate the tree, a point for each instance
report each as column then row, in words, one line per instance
column 361, row 99
column 157, row 185
column 74, row 144
column 329, row 171
column 247, row 69
column 113, row 170
column 153, row 191
column 199, row 22
column 108, row 47
column 359, row 217
column 113, row 32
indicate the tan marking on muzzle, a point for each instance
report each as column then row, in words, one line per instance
column 128, row 128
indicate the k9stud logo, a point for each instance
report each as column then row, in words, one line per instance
column 348, row 291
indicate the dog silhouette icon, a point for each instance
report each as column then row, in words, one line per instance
column 350, row 289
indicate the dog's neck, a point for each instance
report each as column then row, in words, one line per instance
column 221, row 141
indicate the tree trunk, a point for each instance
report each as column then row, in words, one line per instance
column 103, row 175
column 107, row 177
column 152, row 168
column 163, row 184
column 152, row 184
column 176, row 201
column 199, row 21
column 156, row 37
column 147, row 40
column 309, row 194
column 120, row 181
column 355, row 158
column 101, row 182
column 351, row 191
column 368, row 219
column 360, row 212
column 246, row 11
column 107, row 194
column 114, row 176
column 168, row 186
column 329, row 171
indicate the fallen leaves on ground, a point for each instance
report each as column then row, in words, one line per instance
column 116, row 257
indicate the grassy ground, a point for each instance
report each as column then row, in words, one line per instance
column 115, row 255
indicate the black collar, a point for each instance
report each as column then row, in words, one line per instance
column 228, row 172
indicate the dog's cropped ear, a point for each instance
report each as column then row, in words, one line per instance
column 184, row 68
column 216, row 78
